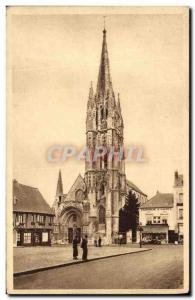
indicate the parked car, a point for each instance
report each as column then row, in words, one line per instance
column 145, row 242
column 156, row 242
column 151, row 241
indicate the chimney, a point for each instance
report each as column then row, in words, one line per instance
column 176, row 177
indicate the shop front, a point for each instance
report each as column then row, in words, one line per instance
column 154, row 232
column 38, row 237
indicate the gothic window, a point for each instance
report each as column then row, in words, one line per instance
column 102, row 113
column 105, row 161
column 79, row 195
column 102, row 189
column 96, row 117
column 106, row 112
column 101, row 215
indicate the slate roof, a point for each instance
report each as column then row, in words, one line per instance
column 134, row 187
column 160, row 200
column 29, row 199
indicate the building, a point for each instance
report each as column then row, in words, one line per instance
column 32, row 217
column 178, row 202
column 141, row 196
column 92, row 204
column 162, row 216
column 157, row 217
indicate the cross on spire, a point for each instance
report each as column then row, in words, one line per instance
column 104, row 22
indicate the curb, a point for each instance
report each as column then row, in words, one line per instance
column 74, row 263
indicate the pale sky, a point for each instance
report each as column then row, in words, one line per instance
column 53, row 59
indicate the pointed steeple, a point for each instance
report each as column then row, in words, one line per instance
column 104, row 84
column 59, row 190
column 90, row 102
column 91, row 91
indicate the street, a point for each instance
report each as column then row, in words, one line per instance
column 160, row 268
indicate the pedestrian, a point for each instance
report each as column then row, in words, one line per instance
column 75, row 248
column 99, row 242
column 95, row 243
column 84, row 247
column 120, row 239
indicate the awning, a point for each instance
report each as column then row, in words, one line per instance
column 155, row 228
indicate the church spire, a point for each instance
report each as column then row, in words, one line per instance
column 59, row 190
column 104, row 84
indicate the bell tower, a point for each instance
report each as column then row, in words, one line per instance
column 105, row 165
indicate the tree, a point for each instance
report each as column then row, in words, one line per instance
column 129, row 214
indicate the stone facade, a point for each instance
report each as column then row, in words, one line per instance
column 92, row 205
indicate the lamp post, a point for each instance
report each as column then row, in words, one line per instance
column 140, row 234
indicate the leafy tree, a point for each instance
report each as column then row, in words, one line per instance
column 129, row 214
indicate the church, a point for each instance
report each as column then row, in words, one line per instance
column 93, row 202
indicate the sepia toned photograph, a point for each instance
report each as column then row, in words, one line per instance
column 97, row 150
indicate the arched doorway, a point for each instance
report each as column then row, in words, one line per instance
column 72, row 224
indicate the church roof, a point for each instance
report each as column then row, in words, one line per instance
column 132, row 186
column 29, row 199
column 160, row 200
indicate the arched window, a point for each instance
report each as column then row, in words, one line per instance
column 105, row 161
column 79, row 195
column 106, row 112
column 102, row 113
column 102, row 189
column 102, row 215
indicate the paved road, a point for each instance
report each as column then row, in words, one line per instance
column 160, row 268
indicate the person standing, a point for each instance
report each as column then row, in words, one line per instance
column 95, row 243
column 84, row 247
column 99, row 242
column 75, row 248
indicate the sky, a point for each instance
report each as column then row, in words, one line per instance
column 53, row 57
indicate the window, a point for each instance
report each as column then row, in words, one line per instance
column 180, row 197
column 102, row 114
column 148, row 220
column 164, row 221
column 56, row 228
column 20, row 218
column 33, row 219
column 102, row 215
column 27, row 237
column 180, row 214
column 45, row 237
column 156, row 220
column 79, row 195
column 102, row 189
column 18, row 236
column 106, row 112
column 105, row 161
column 50, row 220
column 40, row 218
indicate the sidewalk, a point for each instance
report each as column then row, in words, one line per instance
column 37, row 258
